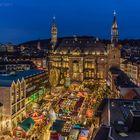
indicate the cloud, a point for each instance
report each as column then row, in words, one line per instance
column 6, row 4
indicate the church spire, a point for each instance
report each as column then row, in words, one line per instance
column 114, row 30
column 54, row 32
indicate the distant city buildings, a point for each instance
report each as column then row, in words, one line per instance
column 7, row 47
column 131, row 51
column 132, row 69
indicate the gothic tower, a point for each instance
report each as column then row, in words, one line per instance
column 114, row 48
column 54, row 33
column 114, row 31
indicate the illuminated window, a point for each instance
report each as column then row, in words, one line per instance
column 87, row 75
column 86, row 53
column 18, row 91
column 22, row 89
column 92, row 66
column 67, row 65
column 75, row 67
column 98, row 75
column 59, row 64
column 13, row 99
column 90, row 74
column 85, row 65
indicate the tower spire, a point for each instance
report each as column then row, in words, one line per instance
column 54, row 32
column 114, row 13
column 114, row 30
column 54, row 21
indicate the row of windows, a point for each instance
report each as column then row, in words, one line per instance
column 89, row 65
column 90, row 74
column 59, row 64
column 66, row 65
column 79, row 52
column 60, row 59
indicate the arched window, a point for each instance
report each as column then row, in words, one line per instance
column 75, row 66
column 13, row 93
column 18, row 90
column 23, row 88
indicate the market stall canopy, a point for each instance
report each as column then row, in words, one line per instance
column 27, row 124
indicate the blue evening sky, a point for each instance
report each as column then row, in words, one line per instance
column 23, row 20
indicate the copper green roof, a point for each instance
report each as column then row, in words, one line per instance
column 27, row 124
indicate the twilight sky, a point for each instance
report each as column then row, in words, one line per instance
column 23, row 20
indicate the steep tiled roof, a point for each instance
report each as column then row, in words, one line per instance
column 82, row 44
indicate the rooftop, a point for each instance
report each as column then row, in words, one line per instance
column 132, row 61
column 80, row 44
column 27, row 124
column 124, row 119
column 102, row 133
column 58, row 125
column 15, row 62
column 6, row 80
column 124, row 81
column 115, row 70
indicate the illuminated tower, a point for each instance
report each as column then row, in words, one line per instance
column 114, row 48
column 54, row 33
column 114, row 31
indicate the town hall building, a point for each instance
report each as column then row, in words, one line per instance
column 83, row 59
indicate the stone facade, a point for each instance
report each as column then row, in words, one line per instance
column 83, row 59
column 13, row 100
